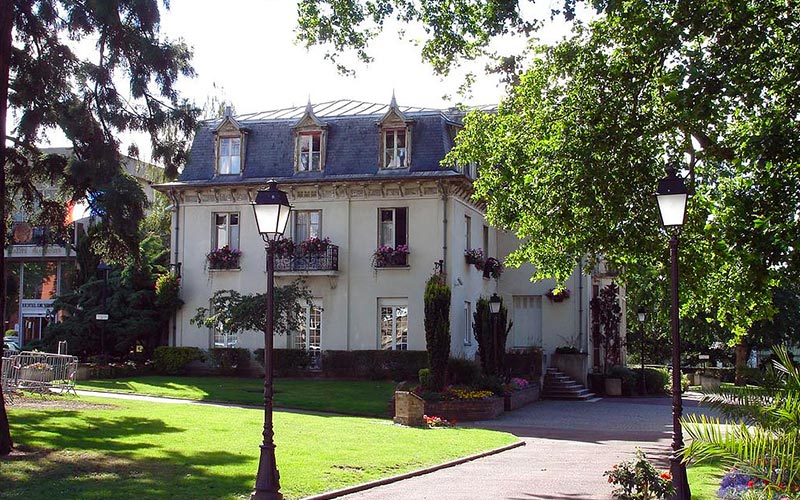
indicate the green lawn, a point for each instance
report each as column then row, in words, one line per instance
column 134, row 450
column 359, row 397
column 704, row 480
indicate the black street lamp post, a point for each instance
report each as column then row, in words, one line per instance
column 494, row 311
column 103, row 317
column 271, row 209
column 641, row 315
column 672, row 196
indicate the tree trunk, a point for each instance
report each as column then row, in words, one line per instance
column 742, row 352
column 6, row 19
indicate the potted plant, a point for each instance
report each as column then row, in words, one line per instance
column 315, row 246
column 284, row 248
column 492, row 268
column 36, row 372
column 558, row 294
column 475, row 257
column 224, row 258
column 386, row 256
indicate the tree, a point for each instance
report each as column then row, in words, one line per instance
column 608, row 313
column 491, row 352
column 437, row 329
column 762, row 434
column 233, row 312
column 47, row 85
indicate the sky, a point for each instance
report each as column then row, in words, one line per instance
column 246, row 53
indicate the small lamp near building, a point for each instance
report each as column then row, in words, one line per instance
column 672, row 196
column 494, row 311
column 641, row 315
column 271, row 210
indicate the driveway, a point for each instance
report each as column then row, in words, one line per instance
column 568, row 446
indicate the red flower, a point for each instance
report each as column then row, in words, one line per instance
column 610, row 480
column 750, row 484
column 666, row 475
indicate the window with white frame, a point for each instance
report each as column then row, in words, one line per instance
column 223, row 338
column 307, row 224
column 229, row 156
column 393, row 227
column 467, row 323
column 309, row 151
column 395, row 148
column 309, row 337
column 467, row 232
column 393, row 324
column 226, row 230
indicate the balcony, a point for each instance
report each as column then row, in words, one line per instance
column 324, row 262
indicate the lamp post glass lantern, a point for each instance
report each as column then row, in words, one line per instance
column 271, row 210
column 641, row 315
column 672, row 196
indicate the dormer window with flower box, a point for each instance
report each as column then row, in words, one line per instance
column 230, row 146
column 310, row 135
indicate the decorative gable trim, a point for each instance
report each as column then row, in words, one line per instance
column 394, row 146
column 310, row 142
column 228, row 134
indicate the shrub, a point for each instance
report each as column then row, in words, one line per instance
column 463, row 371
column 656, row 380
column 491, row 383
column 173, row 360
column 639, row 480
column 374, row 364
column 524, row 363
column 482, row 330
column 628, row 377
column 425, row 377
column 10, row 333
column 437, row 329
column 229, row 360
column 286, row 362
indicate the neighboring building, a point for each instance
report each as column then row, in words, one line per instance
column 365, row 176
column 38, row 266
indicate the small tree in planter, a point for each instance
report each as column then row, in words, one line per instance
column 482, row 330
column 437, row 329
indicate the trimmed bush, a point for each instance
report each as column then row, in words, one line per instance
column 286, row 362
column 526, row 363
column 656, row 380
column 174, row 360
column 374, row 364
column 628, row 377
column 463, row 371
column 229, row 360
column 437, row 329
column 425, row 377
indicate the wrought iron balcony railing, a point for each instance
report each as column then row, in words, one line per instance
column 302, row 262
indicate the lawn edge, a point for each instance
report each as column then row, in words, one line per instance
column 408, row 475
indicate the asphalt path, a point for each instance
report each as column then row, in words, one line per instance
column 568, row 446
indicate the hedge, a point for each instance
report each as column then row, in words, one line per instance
column 229, row 360
column 169, row 360
column 374, row 364
column 286, row 362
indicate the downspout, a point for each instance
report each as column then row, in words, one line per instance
column 444, row 228
column 176, row 231
column 580, row 305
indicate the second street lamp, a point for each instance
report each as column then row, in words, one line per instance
column 271, row 209
column 494, row 310
column 672, row 196
column 641, row 315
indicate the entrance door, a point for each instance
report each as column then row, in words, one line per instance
column 527, row 314
column 310, row 335
column 33, row 327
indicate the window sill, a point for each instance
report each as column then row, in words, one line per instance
column 380, row 268
column 216, row 270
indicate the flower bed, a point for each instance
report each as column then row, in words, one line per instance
column 466, row 409
column 519, row 398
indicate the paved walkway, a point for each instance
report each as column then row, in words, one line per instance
column 568, row 447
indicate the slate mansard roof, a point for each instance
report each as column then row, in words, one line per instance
column 351, row 148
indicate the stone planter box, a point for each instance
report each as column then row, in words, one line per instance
column 518, row 399
column 613, row 386
column 408, row 409
column 466, row 409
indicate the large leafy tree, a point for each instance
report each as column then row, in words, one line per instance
column 571, row 157
column 124, row 84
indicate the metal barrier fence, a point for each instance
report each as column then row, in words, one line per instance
column 39, row 372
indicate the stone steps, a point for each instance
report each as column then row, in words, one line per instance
column 560, row 386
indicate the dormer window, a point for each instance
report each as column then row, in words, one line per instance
column 309, row 142
column 230, row 145
column 395, row 138
column 309, row 151
column 229, row 160
column 395, row 151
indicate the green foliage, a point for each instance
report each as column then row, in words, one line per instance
column 10, row 333
column 463, row 371
column 229, row 360
column 765, row 432
column 488, row 351
column 657, row 380
column 374, row 364
column 437, row 329
column 233, row 312
column 168, row 288
column 425, row 377
column 628, row 377
column 286, row 362
column 174, row 360
column 638, row 480
column 608, row 312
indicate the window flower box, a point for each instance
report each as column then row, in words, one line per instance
column 475, row 257
column 315, row 246
column 558, row 294
column 224, row 258
column 386, row 256
column 492, row 268
column 284, row 248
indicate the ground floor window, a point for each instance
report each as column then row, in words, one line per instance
column 309, row 337
column 393, row 324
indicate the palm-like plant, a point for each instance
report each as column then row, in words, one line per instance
column 762, row 434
